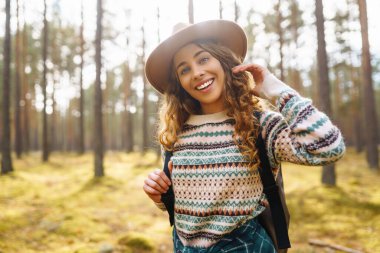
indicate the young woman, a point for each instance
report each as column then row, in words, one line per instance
column 208, row 121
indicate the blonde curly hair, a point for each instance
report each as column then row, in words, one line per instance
column 240, row 101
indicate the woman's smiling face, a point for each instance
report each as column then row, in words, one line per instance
column 202, row 76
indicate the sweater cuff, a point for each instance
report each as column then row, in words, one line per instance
column 160, row 205
column 273, row 88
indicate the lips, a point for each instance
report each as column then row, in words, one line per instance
column 204, row 85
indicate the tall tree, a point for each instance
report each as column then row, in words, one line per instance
column 273, row 25
column 98, row 129
column 191, row 12
column 45, row 141
column 25, row 89
column 328, row 171
column 55, row 56
column 280, row 33
column 355, row 94
column 369, row 104
column 236, row 11
column 128, row 126
column 81, row 147
column 127, row 122
column 220, row 9
column 17, row 102
column 295, row 25
column 158, row 144
column 145, row 122
column 6, row 160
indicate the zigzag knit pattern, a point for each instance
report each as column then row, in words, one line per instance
column 215, row 192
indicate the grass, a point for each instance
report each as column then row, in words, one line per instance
column 59, row 207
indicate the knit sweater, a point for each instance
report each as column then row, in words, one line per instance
column 215, row 192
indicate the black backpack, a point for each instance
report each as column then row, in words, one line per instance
column 275, row 218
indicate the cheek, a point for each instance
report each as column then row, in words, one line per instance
column 185, row 83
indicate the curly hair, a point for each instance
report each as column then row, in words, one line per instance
column 240, row 102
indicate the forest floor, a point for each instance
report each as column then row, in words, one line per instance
column 59, row 207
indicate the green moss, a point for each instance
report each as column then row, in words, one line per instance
column 136, row 242
column 58, row 207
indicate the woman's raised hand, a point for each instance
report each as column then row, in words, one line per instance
column 258, row 73
column 157, row 183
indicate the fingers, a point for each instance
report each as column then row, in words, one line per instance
column 156, row 183
column 162, row 175
column 152, row 193
column 246, row 67
column 258, row 72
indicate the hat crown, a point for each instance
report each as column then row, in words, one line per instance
column 178, row 27
column 227, row 33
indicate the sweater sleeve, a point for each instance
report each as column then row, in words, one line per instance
column 298, row 133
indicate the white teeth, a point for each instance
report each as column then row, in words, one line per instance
column 205, row 85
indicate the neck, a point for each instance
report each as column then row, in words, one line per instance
column 210, row 109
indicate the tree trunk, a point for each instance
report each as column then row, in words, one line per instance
column 98, row 129
column 145, row 132
column 81, row 147
column 328, row 171
column 45, row 141
column 26, row 94
column 191, row 12
column 6, row 160
column 236, row 10
column 18, row 132
column 128, row 127
column 220, row 9
column 370, row 116
column 356, row 109
column 53, row 138
column 280, row 39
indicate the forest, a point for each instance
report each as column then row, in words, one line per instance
column 79, row 118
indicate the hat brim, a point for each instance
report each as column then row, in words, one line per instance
column 228, row 33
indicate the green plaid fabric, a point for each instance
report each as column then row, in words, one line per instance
column 251, row 237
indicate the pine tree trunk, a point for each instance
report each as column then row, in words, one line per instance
column 280, row 40
column 81, row 147
column 236, row 10
column 53, row 123
column 220, row 9
column 45, row 141
column 191, row 12
column 98, row 129
column 6, row 160
column 370, row 116
column 128, row 127
column 26, row 94
column 328, row 171
column 145, row 132
column 18, row 132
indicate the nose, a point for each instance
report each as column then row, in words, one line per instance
column 198, row 72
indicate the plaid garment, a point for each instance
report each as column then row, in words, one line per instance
column 251, row 237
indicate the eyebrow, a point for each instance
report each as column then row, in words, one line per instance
column 194, row 56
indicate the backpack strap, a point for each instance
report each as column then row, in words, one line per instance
column 271, row 191
column 168, row 197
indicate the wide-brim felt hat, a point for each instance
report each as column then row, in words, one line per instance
column 227, row 33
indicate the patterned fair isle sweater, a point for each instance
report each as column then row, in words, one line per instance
column 214, row 191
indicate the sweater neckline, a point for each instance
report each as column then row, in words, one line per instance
column 207, row 118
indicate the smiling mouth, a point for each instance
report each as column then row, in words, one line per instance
column 205, row 85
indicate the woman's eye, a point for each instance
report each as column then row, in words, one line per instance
column 184, row 70
column 203, row 60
